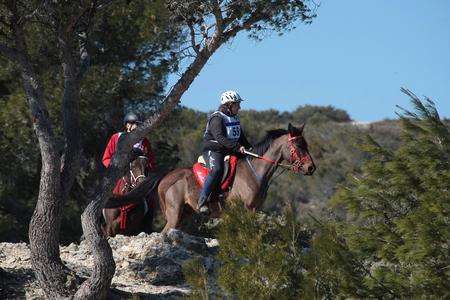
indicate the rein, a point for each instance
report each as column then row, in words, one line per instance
column 267, row 159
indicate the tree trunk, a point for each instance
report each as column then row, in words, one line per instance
column 56, row 179
column 96, row 286
column 46, row 220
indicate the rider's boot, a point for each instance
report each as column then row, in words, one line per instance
column 203, row 204
column 206, row 194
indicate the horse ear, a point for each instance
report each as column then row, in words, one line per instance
column 290, row 128
column 294, row 131
column 301, row 127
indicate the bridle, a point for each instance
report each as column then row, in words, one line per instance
column 133, row 178
column 295, row 161
column 298, row 162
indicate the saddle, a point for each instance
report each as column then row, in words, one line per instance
column 201, row 171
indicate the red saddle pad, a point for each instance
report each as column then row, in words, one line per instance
column 200, row 172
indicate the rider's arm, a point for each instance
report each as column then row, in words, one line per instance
column 217, row 130
column 110, row 149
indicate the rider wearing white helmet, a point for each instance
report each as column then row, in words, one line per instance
column 230, row 97
column 223, row 136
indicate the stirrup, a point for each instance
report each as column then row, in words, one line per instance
column 202, row 202
column 204, row 209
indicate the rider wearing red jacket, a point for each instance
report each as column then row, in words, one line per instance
column 131, row 121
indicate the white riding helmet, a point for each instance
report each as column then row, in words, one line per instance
column 230, row 96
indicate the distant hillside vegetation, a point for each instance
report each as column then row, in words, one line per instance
column 332, row 136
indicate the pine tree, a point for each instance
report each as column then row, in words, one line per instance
column 395, row 241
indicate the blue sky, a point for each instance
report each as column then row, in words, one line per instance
column 356, row 55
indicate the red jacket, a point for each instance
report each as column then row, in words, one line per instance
column 144, row 145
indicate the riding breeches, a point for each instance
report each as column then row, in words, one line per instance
column 214, row 162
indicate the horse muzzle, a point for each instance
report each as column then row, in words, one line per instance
column 308, row 169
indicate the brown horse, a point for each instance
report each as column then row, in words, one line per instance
column 131, row 212
column 179, row 191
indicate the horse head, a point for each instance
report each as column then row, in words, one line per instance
column 296, row 151
column 138, row 167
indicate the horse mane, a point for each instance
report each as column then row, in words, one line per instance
column 263, row 144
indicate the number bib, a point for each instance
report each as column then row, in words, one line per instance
column 233, row 130
column 232, row 126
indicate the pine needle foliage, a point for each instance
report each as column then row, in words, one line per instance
column 395, row 241
column 196, row 275
column 260, row 256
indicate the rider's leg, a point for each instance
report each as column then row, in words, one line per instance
column 214, row 162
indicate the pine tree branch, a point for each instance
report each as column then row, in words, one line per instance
column 218, row 16
column 194, row 45
column 242, row 26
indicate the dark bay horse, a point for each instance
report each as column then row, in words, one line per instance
column 179, row 191
column 131, row 212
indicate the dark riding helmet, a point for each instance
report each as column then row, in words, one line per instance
column 131, row 117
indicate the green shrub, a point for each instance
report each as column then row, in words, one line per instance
column 260, row 256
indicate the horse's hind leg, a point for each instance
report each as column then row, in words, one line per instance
column 173, row 216
column 174, row 204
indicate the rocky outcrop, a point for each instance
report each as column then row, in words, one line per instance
column 147, row 266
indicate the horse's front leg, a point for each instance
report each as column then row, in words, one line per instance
column 149, row 216
column 111, row 227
